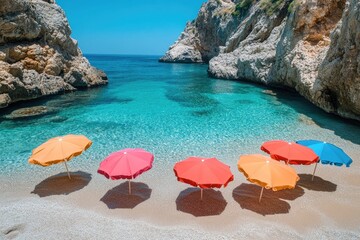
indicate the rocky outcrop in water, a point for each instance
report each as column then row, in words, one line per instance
column 312, row 46
column 37, row 55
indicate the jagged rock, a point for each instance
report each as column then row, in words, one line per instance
column 75, row 78
column 4, row 100
column 202, row 39
column 303, row 47
column 313, row 49
column 338, row 80
column 54, row 65
column 16, row 70
column 37, row 54
column 2, row 56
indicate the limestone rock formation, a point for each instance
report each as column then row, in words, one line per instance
column 312, row 46
column 37, row 55
column 339, row 72
column 203, row 37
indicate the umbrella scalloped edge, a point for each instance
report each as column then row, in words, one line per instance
column 33, row 161
column 335, row 164
column 265, row 185
column 192, row 183
column 293, row 162
column 117, row 177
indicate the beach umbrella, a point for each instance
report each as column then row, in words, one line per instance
column 290, row 152
column 267, row 173
column 203, row 173
column 59, row 149
column 328, row 153
column 126, row 164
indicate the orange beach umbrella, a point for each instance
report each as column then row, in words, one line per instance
column 267, row 173
column 59, row 149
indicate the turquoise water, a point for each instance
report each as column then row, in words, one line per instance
column 172, row 110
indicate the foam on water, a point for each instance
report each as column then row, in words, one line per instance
column 172, row 110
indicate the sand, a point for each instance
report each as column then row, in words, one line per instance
column 41, row 203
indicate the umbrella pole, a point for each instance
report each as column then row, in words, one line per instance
column 67, row 169
column 129, row 187
column 262, row 190
column 201, row 194
column 312, row 179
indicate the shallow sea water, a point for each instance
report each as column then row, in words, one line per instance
column 172, row 110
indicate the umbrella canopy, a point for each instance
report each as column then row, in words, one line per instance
column 59, row 149
column 203, row 172
column 290, row 152
column 327, row 152
column 126, row 164
column 267, row 173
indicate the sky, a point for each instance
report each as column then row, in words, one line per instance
column 141, row 27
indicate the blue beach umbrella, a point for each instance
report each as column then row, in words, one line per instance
column 327, row 152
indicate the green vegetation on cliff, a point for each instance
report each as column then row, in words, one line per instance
column 271, row 7
column 293, row 5
column 242, row 7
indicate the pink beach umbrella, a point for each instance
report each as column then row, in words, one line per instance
column 126, row 164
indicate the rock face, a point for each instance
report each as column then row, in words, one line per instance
column 37, row 55
column 312, row 46
column 203, row 37
column 339, row 72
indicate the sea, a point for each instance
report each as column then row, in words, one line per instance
column 171, row 110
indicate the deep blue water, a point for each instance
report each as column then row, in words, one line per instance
column 172, row 110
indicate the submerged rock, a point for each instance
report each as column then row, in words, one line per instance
column 37, row 55
column 28, row 112
column 58, row 119
column 269, row 92
column 311, row 46
column 306, row 120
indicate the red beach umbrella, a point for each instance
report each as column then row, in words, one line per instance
column 126, row 164
column 290, row 152
column 203, row 173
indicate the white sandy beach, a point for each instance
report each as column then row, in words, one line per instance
column 36, row 205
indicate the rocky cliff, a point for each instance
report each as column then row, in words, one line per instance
column 37, row 55
column 202, row 38
column 312, row 46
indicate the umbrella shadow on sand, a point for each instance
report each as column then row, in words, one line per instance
column 247, row 195
column 213, row 202
column 318, row 184
column 288, row 194
column 60, row 184
column 119, row 196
